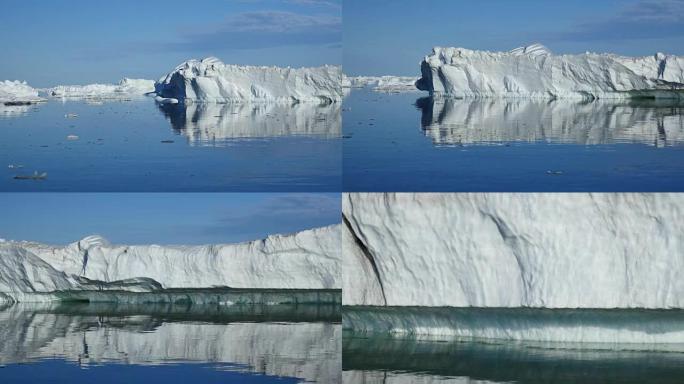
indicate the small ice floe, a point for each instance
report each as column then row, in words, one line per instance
column 71, row 115
column 35, row 176
column 72, row 137
column 165, row 100
column 15, row 166
column 554, row 172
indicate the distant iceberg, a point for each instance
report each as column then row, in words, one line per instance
column 34, row 272
column 18, row 93
column 210, row 80
column 385, row 84
column 533, row 71
column 125, row 88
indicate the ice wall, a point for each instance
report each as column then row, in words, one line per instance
column 306, row 260
column 125, row 88
column 533, row 71
column 512, row 250
column 210, row 80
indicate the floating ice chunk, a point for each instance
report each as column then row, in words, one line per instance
column 533, row 71
column 386, row 84
column 18, row 93
column 210, row 80
column 125, row 89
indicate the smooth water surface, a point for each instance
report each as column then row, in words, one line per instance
column 406, row 142
column 138, row 146
column 383, row 359
column 85, row 343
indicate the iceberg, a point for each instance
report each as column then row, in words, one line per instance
column 31, row 271
column 534, row 72
column 450, row 122
column 16, row 93
column 211, row 123
column 618, row 250
column 210, row 80
column 384, row 84
column 124, row 89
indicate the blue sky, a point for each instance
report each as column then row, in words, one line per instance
column 83, row 41
column 391, row 36
column 184, row 218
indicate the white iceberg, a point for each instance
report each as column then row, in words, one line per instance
column 556, row 250
column 385, row 84
column 31, row 271
column 124, row 89
column 535, row 72
column 18, row 93
column 210, row 80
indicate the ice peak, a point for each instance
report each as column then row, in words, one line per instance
column 92, row 241
column 535, row 49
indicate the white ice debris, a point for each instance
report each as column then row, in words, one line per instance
column 386, row 84
column 210, row 80
column 511, row 250
column 125, row 89
column 533, row 71
column 308, row 260
column 17, row 92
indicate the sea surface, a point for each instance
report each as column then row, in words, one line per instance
column 407, row 142
column 79, row 342
column 139, row 146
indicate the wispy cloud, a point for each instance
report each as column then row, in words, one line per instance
column 264, row 29
column 644, row 19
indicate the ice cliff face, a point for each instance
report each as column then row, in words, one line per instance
column 533, row 71
column 206, row 124
column 17, row 92
column 126, row 88
column 513, row 250
column 210, row 80
column 461, row 122
column 306, row 260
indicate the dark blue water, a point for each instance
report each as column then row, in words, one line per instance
column 138, row 146
column 396, row 142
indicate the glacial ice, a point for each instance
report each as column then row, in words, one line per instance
column 18, row 92
column 306, row 346
column 210, row 80
column 622, row 250
column 534, row 72
column 490, row 121
column 385, row 84
column 32, row 271
column 209, row 123
column 124, row 89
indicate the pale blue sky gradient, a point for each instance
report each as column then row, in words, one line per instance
column 163, row 218
column 390, row 37
column 83, row 41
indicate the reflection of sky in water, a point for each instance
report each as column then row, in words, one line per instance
column 463, row 122
column 394, row 143
column 128, row 146
column 296, row 342
column 369, row 359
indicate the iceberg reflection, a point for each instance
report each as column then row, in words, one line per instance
column 393, row 360
column 210, row 124
column 295, row 341
column 490, row 121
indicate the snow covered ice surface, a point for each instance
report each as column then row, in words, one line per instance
column 211, row 123
column 535, row 72
column 289, row 341
column 306, row 260
column 18, row 92
column 621, row 250
column 386, row 84
column 210, row 80
column 490, row 121
column 126, row 88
